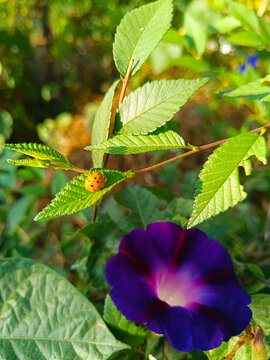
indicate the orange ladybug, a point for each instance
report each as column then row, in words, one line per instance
column 95, row 181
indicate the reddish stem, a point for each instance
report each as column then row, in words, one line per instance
column 194, row 151
column 125, row 82
column 122, row 95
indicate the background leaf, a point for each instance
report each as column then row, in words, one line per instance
column 145, row 207
column 260, row 307
column 226, row 24
column 244, row 353
column 155, row 103
column 74, row 197
column 139, row 32
column 218, row 186
column 104, row 244
column 257, row 90
column 124, row 329
column 135, row 144
column 245, row 38
column 101, row 124
column 39, row 151
column 197, row 30
column 44, row 317
column 246, row 16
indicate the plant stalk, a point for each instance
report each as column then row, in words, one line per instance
column 122, row 95
column 194, row 151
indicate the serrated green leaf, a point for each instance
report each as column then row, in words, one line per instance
column 74, row 197
column 218, row 186
column 136, row 144
column 124, row 329
column 256, row 90
column 30, row 162
column 155, row 103
column 42, row 316
column 101, row 124
column 139, row 32
column 39, row 151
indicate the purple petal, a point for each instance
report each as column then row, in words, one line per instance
column 242, row 68
column 208, row 329
column 224, row 285
column 202, row 257
column 139, row 246
column 153, row 249
column 174, row 323
column 252, row 61
column 131, row 292
column 167, row 239
column 234, row 314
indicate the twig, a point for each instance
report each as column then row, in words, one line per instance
column 125, row 82
column 121, row 98
column 194, row 151
column 95, row 212
column 241, row 342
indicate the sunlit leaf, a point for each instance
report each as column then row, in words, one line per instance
column 139, row 32
column 30, row 162
column 135, row 144
column 74, row 197
column 218, row 185
column 39, row 152
column 257, row 90
column 101, row 125
column 155, row 103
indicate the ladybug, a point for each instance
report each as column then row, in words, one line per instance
column 95, row 181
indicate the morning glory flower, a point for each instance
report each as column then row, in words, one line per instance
column 180, row 284
column 252, row 61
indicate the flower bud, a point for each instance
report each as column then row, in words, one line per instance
column 259, row 348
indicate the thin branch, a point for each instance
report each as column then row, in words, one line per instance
column 194, row 151
column 59, row 167
column 95, row 212
column 241, row 342
column 83, row 171
column 125, row 82
column 121, row 98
